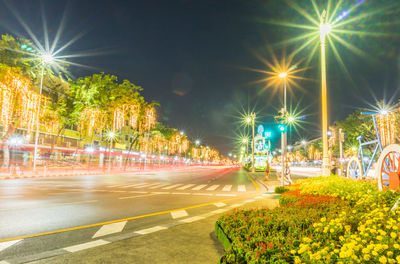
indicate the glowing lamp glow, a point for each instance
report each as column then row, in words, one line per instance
column 291, row 119
column 282, row 75
column 248, row 119
column 303, row 142
column 383, row 112
column 47, row 58
column 324, row 30
column 245, row 140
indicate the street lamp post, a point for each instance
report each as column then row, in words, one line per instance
column 46, row 58
column 324, row 31
column 283, row 75
column 253, row 119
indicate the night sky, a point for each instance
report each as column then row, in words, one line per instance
column 192, row 57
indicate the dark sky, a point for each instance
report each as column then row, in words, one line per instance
column 191, row 56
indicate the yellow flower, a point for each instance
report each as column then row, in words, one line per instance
column 396, row 246
column 297, row 260
column 367, row 257
column 383, row 259
column 379, row 237
column 374, row 253
column 293, row 251
column 389, row 253
column 393, row 235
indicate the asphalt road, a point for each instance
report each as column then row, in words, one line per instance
column 34, row 211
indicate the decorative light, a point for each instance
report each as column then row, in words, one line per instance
column 282, row 75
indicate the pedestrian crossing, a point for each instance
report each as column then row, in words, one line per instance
column 183, row 187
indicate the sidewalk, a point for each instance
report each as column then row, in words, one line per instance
column 273, row 179
column 186, row 243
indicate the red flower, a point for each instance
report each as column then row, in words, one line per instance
column 270, row 245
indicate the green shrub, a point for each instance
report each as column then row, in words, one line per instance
column 280, row 189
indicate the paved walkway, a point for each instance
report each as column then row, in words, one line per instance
column 187, row 243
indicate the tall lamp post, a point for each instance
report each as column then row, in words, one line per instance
column 283, row 76
column 324, row 31
column 251, row 119
column 47, row 59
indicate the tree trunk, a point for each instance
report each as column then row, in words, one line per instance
column 130, row 149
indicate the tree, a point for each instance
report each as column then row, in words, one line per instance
column 356, row 125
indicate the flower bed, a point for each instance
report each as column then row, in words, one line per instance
column 321, row 220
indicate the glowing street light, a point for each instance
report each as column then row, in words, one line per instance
column 303, row 142
column 197, row 142
column 251, row 120
column 46, row 59
column 325, row 29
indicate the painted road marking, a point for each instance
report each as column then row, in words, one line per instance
column 7, row 244
column 258, row 197
column 146, row 185
column 158, row 186
column 206, row 194
column 110, row 229
column 108, row 222
column 160, row 192
column 172, row 186
column 87, row 245
column 235, row 205
column 179, row 214
column 213, row 187
column 186, row 186
column 4, row 262
column 138, row 192
column 241, row 188
column 117, row 191
column 134, row 185
column 219, row 211
column 226, row 194
column 137, row 196
column 201, row 186
column 181, row 193
column 220, row 204
column 192, row 219
column 227, row 188
column 150, row 230
column 249, row 201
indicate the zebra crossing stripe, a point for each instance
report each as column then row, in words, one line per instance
column 241, row 188
column 227, row 188
column 201, row 186
column 213, row 187
column 150, row 230
column 146, row 185
column 186, row 186
column 172, row 186
column 158, row 186
column 220, row 204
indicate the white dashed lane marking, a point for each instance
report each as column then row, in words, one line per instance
column 86, row 245
column 150, row 230
column 227, row 188
column 110, row 229
column 201, row 186
column 220, row 204
column 4, row 245
column 241, row 188
column 192, row 219
column 179, row 214
column 213, row 187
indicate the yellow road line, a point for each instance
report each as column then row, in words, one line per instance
column 255, row 184
column 113, row 221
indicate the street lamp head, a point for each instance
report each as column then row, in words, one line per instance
column 245, row 140
column 290, row 119
column 282, row 75
column 47, row 58
column 324, row 30
column 182, row 133
column 197, row 142
column 303, row 142
column 248, row 119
